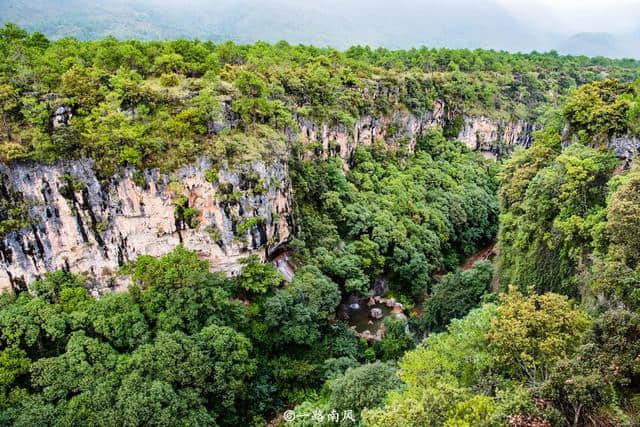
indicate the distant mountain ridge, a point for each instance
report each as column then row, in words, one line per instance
column 594, row 44
column 401, row 24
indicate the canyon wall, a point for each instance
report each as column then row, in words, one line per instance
column 493, row 138
column 80, row 224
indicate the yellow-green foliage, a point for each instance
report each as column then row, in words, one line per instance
column 600, row 110
column 161, row 103
column 530, row 334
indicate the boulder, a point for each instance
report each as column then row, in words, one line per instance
column 625, row 147
column 376, row 313
column 61, row 116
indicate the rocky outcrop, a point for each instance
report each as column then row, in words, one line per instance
column 84, row 226
column 398, row 130
column 376, row 313
column 625, row 147
column 495, row 138
column 61, row 116
column 80, row 224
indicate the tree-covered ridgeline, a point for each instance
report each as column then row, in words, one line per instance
column 159, row 104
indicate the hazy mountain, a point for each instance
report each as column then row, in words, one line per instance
column 592, row 44
column 399, row 24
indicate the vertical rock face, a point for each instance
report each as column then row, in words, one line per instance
column 495, row 138
column 625, row 147
column 400, row 129
column 81, row 225
column 491, row 137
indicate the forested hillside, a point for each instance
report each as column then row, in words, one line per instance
column 155, row 103
column 326, row 224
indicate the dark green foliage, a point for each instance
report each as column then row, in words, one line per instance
column 396, row 341
column 296, row 312
column 169, row 351
column 405, row 218
column 14, row 367
column 617, row 274
column 365, row 386
column 178, row 348
column 184, row 214
column 455, row 295
column 552, row 207
column 14, row 212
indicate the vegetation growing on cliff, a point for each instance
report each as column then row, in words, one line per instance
column 14, row 211
column 397, row 217
column 162, row 103
column 557, row 344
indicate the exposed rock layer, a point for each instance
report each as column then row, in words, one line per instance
column 84, row 226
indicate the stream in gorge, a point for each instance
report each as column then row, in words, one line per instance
column 359, row 311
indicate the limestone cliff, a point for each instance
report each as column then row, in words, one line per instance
column 491, row 137
column 80, row 224
column 495, row 138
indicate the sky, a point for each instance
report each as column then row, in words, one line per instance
column 574, row 16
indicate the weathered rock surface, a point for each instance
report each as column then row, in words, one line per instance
column 87, row 227
column 84, row 226
column 494, row 138
column 625, row 147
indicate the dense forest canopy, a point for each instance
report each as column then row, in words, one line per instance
column 546, row 334
column 156, row 103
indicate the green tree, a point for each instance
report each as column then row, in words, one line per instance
column 297, row 313
column 365, row 386
column 438, row 373
column 529, row 335
column 258, row 277
column 455, row 295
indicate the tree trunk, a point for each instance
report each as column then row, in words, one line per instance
column 576, row 415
